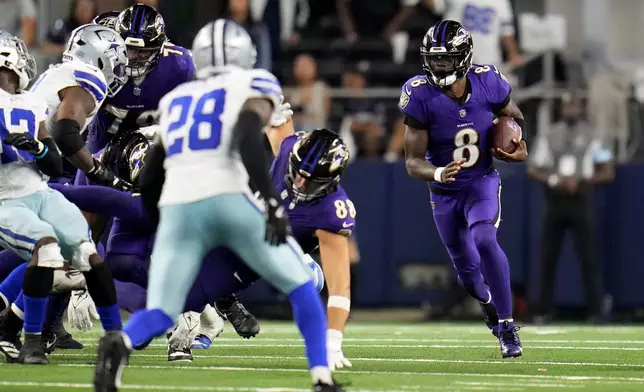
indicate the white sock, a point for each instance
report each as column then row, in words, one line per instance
column 321, row 374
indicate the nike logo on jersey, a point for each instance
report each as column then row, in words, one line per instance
column 236, row 275
column 346, row 225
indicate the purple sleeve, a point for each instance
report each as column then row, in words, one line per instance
column 104, row 200
column 497, row 86
column 411, row 101
column 339, row 215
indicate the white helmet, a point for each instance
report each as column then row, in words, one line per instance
column 15, row 57
column 103, row 48
column 222, row 43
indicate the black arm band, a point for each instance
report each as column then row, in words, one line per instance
column 412, row 122
column 248, row 139
column 50, row 162
column 67, row 135
column 151, row 181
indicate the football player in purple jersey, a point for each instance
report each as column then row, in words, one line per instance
column 449, row 112
column 307, row 170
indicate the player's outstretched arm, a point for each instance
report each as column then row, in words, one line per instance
column 76, row 104
column 336, row 264
column 334, row 252
column 281, row 126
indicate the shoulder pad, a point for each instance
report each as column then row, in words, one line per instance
column 264, row 84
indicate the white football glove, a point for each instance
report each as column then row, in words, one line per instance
column 335, row 355
column 185, row 332
column 67, row 280
column 81, row 310
column 281, row 114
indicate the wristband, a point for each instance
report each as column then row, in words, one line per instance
column 438, row 174
column 42, row 154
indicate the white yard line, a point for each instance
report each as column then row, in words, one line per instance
column 402, row 340
column 242, row 343
column 66, row 353
column 524, row 384
column 638, row 380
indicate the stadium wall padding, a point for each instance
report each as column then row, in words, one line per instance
column 395, row 230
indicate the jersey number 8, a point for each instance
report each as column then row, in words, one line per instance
column 204, row 120
column 465, row 140
column 344, row 209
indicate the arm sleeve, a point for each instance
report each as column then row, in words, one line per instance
column 151, row 181
column 51, row 163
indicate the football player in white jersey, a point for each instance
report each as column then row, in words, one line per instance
column 490, row 22
column 93, row 68
column 36, row 222
column 211, row 145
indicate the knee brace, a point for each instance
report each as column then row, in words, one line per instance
column 49, row 256
column 80, row 259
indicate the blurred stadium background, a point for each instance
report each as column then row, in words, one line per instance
column 349, row 80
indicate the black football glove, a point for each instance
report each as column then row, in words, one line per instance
column 24, row 142
column 277, row 226
column 102, row 175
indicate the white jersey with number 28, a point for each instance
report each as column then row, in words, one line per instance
column 196, row 127
column 20, row 113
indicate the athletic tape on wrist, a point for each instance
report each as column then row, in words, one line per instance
column 438, row 174
column 338, row 301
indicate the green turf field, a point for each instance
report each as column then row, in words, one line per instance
column 386, row 357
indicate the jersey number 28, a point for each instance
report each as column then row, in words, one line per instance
column 20, row 120
column 202, row 118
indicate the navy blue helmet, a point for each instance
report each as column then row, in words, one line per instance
column 143, row 30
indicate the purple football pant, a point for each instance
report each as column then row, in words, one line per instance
column 222, row 273
column 9, row 261
column 467, row 222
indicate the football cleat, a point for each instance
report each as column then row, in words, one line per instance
column 201, row 342
column 112, row 357
column 491, row 318
column 320, row 387
column 32, row 351
column 179, row 355
column 509, row 340
column 245, row 324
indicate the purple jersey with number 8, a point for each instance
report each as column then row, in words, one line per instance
column 458, row 130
